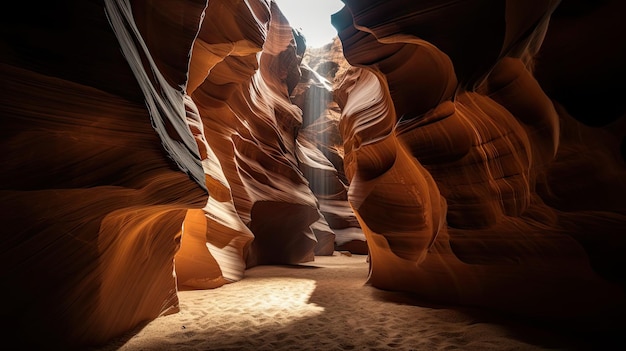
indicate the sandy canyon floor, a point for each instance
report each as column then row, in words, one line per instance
column 326, row 305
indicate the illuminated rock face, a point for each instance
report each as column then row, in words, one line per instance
column 456, row 160
column 146, row 150
column 322, row 71
column 243, row 83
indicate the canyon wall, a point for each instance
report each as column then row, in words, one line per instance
column 149, row 147
column 474, row 186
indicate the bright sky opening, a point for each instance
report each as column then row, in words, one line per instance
column 312, row 18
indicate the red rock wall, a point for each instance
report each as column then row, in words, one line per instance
column 93, row 196
column 455, row 155
column 147, row 144
column 252, row 126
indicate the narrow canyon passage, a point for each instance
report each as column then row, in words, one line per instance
column 191, row 173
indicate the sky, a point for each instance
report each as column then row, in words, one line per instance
column 312, row 18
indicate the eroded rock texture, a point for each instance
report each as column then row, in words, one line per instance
column 457, row 157
column 148, row 147
column 322, row 71
column 91, row 201
column 242, row 93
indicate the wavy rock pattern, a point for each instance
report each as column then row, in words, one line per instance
column 158, row 151
column 451, row 146
column 251, row 125
column 322, row 71
column 92, row 202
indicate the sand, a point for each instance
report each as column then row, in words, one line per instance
column 326, row 305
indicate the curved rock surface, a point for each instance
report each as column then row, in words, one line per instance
column 250, row 123
column 323, row 70
column 151, row 147
column 92, row 201
column 455, row 154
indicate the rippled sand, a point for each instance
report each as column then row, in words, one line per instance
column 326, row 305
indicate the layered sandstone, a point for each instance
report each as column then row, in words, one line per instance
column 453, row 153
column 149, row 151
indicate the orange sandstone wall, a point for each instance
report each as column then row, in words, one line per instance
column 146, row 145
column 99, row 169
column 456, row 157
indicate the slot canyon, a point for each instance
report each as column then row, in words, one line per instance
column 473, row 150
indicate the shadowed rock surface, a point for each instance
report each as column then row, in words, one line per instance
column 146, row 146
column 454, row 152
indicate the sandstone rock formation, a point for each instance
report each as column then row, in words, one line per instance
column 451, row 146
column 147, row 145
column 155, row 146
column 322, row 71
column 91, row 201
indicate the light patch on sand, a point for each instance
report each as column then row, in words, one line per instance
column 272, row 300
column 321, row 305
